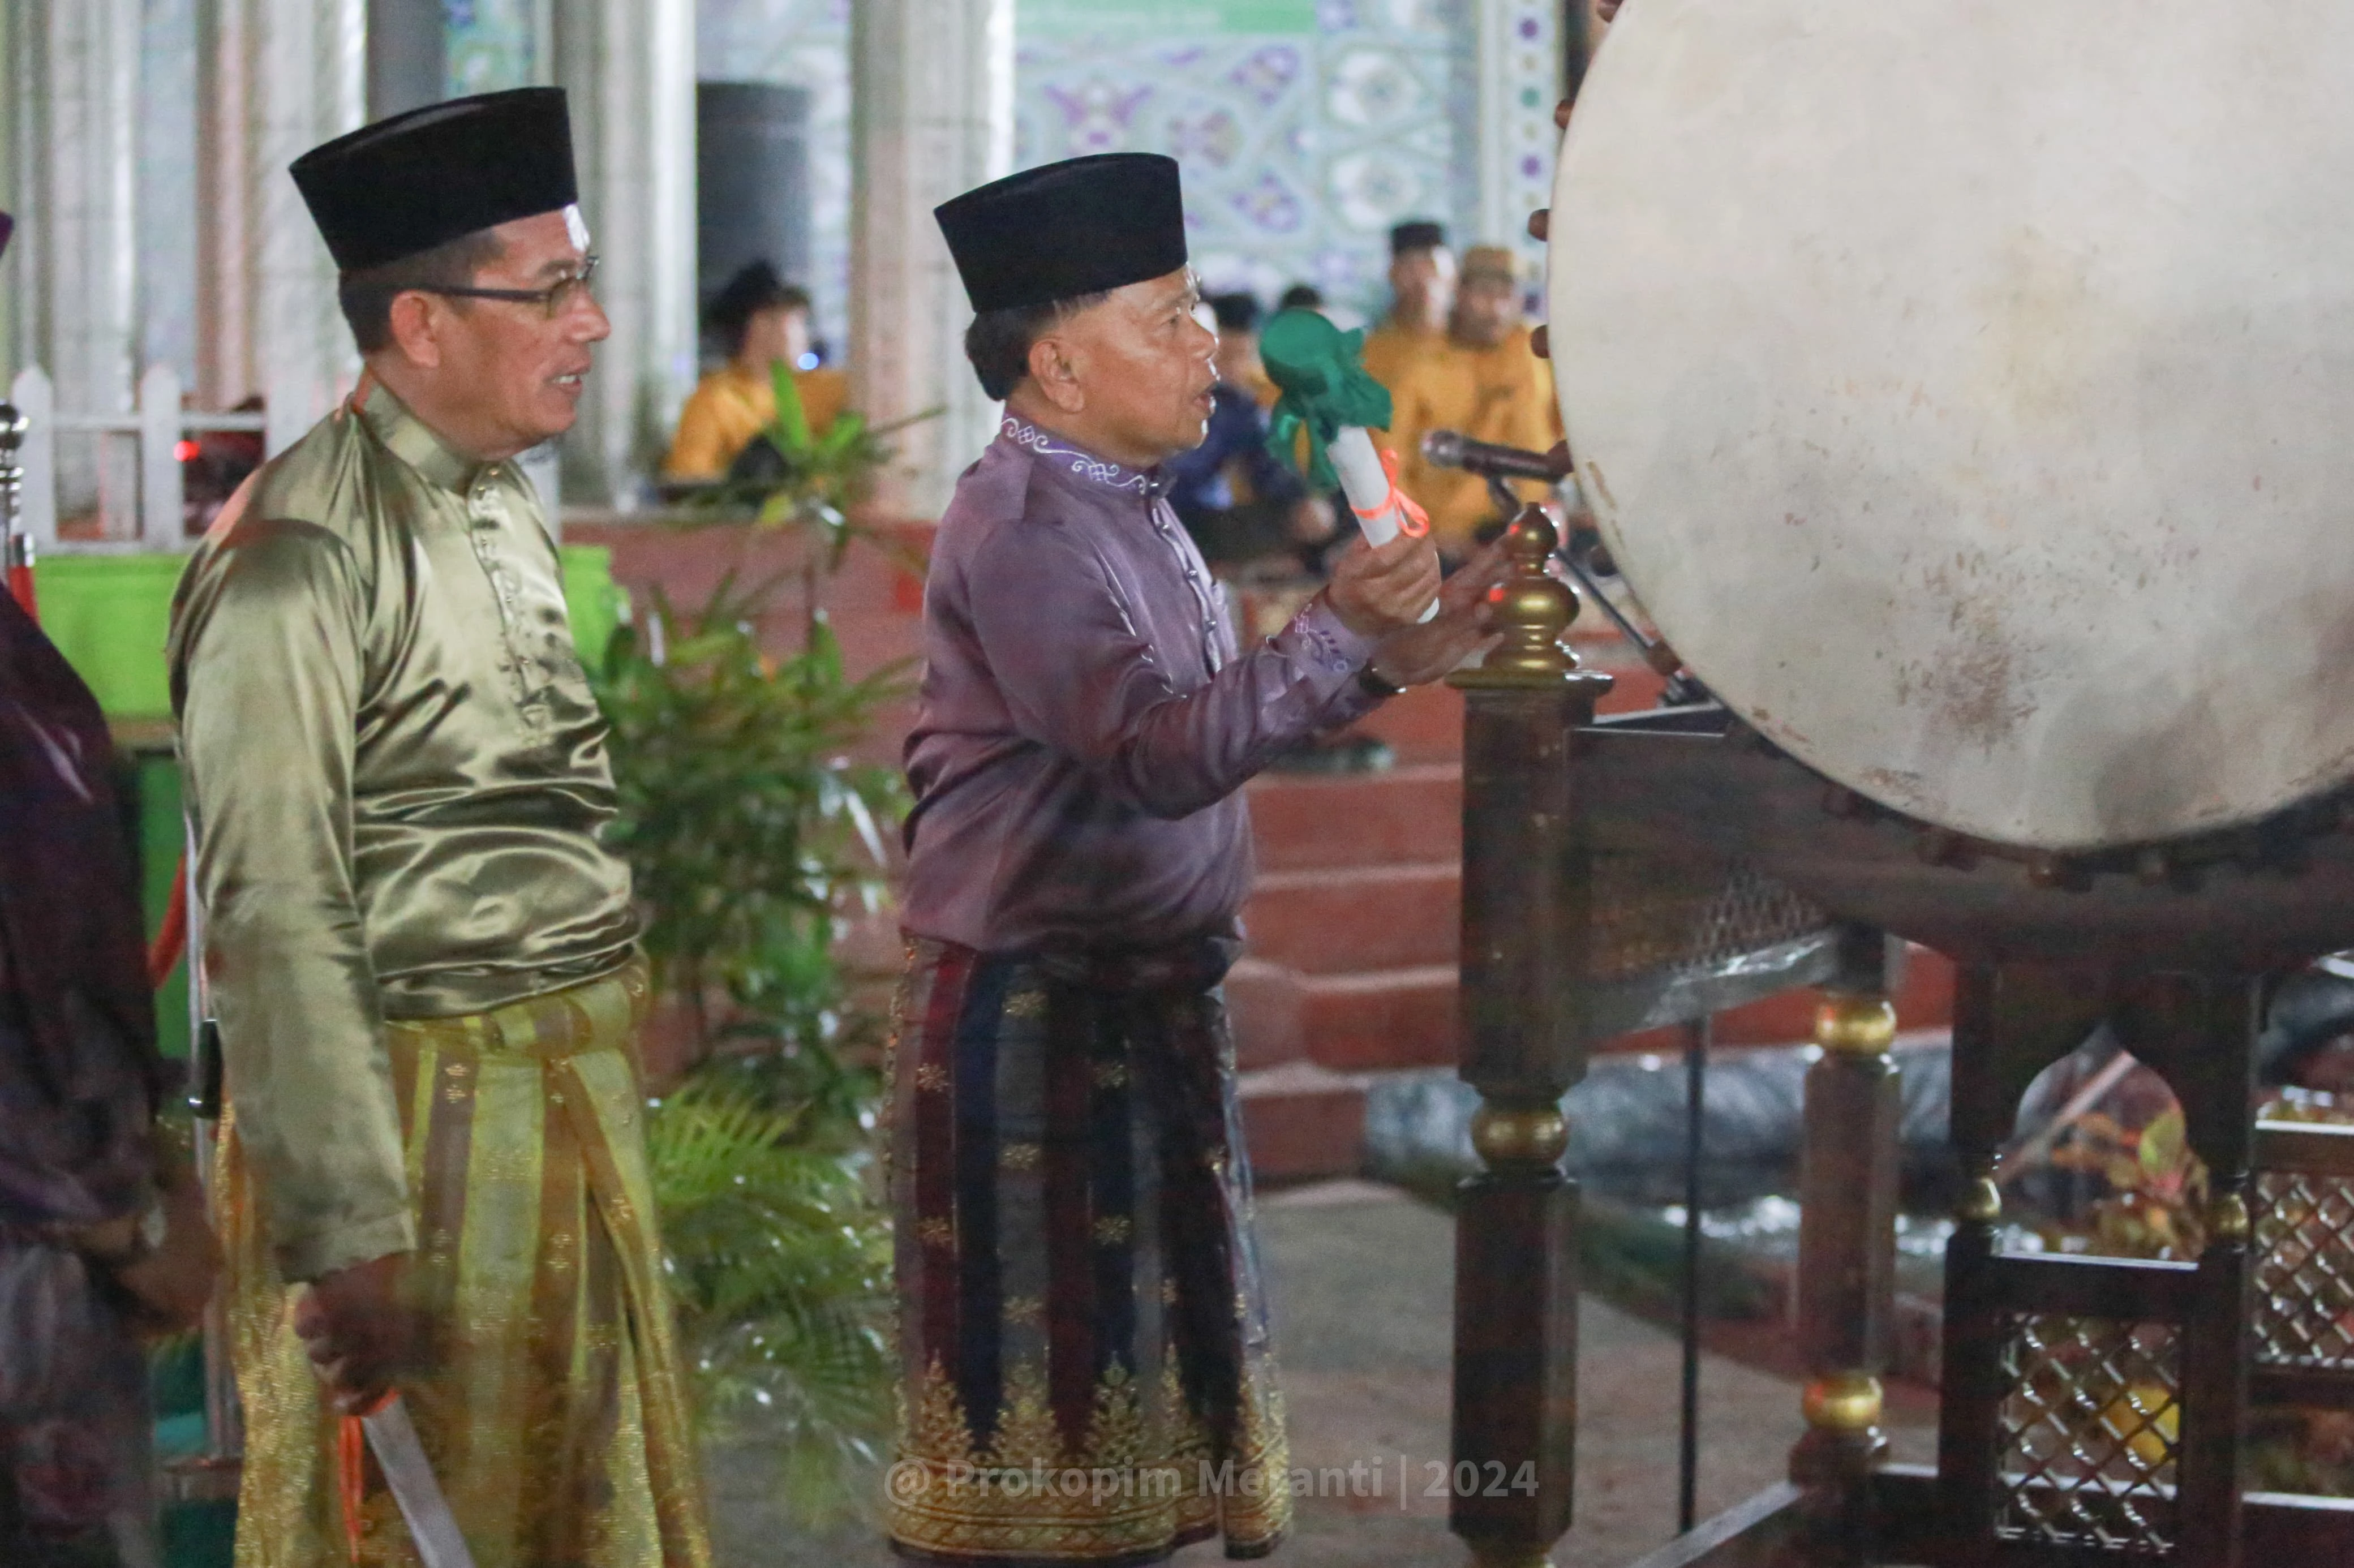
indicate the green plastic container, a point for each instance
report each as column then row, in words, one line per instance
column 110, row 615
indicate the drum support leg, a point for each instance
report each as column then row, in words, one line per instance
column 1515, row 1421
column 1846, row 1252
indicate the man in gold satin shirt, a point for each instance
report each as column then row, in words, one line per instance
column 422, row 955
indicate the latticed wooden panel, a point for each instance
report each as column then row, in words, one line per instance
column 2304, row 1269
column 1656, row 918
column 2088, row 1435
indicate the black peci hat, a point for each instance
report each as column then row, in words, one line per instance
column 1079, row 226
column 426, row 177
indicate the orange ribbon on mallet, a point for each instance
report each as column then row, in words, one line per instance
column 1413, row 520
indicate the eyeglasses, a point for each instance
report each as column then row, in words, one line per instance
column 554, row 300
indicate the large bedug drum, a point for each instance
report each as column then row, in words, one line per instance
column 1967, row 389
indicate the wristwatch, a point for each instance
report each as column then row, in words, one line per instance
column 1370, row 680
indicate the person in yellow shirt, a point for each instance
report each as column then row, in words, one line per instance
column 1422, row 293
column 761, row 320
column 1483, row 382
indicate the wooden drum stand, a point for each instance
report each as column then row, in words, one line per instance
column 1650, row 869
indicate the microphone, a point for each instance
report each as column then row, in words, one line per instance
column 1452, row 448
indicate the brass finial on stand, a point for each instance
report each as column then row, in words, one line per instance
column 1534, row 610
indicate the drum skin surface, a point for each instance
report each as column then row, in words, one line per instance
column 1966, row 390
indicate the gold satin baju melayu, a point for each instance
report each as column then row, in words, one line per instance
column 552, row 1409
column 420, row 957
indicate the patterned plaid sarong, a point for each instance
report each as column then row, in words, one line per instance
column 1086, row 1370
column 554, row 1410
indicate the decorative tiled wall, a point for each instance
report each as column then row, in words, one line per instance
column 1306, row 130
column 1307, row 127
column 490, row 44
column 1520, row 82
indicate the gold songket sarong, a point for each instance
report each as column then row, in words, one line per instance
column 551, row 1405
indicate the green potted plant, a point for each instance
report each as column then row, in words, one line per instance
column 754, row 832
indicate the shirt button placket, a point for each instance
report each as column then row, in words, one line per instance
column 483, row 512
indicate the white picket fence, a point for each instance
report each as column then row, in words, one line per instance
column 157, row 425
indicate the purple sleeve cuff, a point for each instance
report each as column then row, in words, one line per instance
column 1333, row 654
column 1322, row 643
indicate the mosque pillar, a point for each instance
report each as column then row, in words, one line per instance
column 628, row 66
column 932, row 87
column 279, row 76
column 74, row 81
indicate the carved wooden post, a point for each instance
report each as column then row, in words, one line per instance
column 1847, row 1249
column 1524, row 907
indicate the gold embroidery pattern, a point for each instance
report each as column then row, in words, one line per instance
column 1021, row 1155
column 1142, row 1480
column 1026, row 1004
column 560, row 1384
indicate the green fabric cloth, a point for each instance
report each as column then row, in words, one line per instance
column 398, row 776
column 1321, row 371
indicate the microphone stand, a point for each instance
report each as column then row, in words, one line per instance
column 1451, row 450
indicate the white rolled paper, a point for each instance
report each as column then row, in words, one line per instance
column 1366, row 484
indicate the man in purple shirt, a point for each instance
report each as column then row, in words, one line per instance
column 1086, row 1373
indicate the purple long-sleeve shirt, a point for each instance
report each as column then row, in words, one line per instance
column 1087, row 720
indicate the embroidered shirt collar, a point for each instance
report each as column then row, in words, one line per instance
column 1145, row 483
column 415, row 443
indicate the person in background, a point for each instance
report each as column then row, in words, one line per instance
column 1421, row 292
column 1301, row 297
column 1236, row 356
column 760, row 322
column 213, row 464
column 1239, row 501
column 424, row 953
column 102, row 1235
column 1484, row 382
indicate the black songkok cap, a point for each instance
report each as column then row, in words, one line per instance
column 1419, row 234
column 424, row 178
column 1079, row 226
